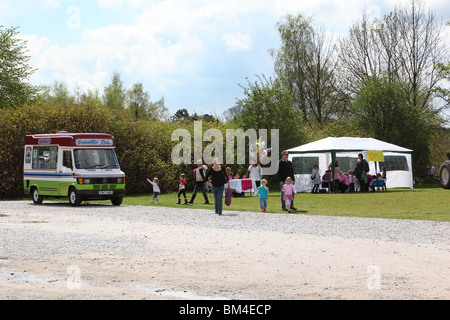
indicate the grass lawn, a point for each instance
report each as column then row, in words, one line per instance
column 423, row 203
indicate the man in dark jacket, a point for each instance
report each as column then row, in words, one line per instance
column 285, row 169
column 362, row 167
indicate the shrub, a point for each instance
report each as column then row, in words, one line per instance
column 143, row 146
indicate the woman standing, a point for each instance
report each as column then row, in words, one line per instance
column 255, row 173
column 218, row 180
column 337, row 174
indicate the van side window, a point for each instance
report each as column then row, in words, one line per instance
column 45, row 157
column 67, row 159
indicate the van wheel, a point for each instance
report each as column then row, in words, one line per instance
column 37, row 198
column 74, row 197
column 444, row 174
column 117, row 201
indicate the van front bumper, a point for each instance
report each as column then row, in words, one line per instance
column 101, row 194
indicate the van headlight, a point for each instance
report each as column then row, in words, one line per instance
column 120, row 180
column 84, row 181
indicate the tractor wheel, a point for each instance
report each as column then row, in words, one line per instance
column 444, row 174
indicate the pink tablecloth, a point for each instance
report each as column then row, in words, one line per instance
column 246, row 184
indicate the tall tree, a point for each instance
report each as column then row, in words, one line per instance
column 60, row 92
column 91, row 97
column 382, row 110
column 114, row 94
column 268, row 105
column 443, row 92
column 181, row 115
column 14, row 70
column 138, row 102
column 306, row 65
column 158, row 110
column 405, row 45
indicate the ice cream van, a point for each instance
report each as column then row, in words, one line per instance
column 81, row 166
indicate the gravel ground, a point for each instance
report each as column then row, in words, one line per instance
column 54, row 251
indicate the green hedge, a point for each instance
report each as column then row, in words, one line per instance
column 143, row 146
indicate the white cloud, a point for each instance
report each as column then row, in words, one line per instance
column 334, row 15
column 6, row 11
column 51, row 3
column 138, row 52
column 68, row 65
column 237, row 41
column 168, row 38
column 109, row 3
column 171, row 43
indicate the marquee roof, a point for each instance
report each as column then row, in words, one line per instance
column 348, row 144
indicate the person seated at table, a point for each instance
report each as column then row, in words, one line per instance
column 228, row 171
column 370, row 179
column 343, row 182
column 377, row 182
column 230, row 177
column 326, row 179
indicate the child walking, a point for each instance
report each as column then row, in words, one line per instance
column 289, row 190
column 182, row 188
column 383, row 176
column 156, row 190
column 315, row 177
column 263, row 195
column 351, row 181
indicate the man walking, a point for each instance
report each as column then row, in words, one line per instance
column 199, row 173
column 362, row 168
column 285, row 169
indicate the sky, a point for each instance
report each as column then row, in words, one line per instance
column 193, row 53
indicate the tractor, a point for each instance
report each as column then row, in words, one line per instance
column 444, row 173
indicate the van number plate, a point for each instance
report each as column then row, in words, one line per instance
column 105, row 192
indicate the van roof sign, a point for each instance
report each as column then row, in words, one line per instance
column 72, row 139
column 94, row 142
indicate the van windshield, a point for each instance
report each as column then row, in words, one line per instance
column 95, row 159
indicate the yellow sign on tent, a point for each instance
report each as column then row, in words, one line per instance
column 375, row 156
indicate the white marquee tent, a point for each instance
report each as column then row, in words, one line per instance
column 397, row 160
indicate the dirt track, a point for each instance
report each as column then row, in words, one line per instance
column 54, row 251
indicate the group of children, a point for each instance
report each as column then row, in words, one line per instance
column 181, row 189
column 263, row 191
column 341, row 182
column 345, row 181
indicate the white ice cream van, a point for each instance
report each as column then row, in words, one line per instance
column 81, row 166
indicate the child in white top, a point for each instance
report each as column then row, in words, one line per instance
column 156, row 190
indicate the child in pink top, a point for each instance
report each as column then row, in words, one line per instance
column 343, row 182
column 289, row 190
